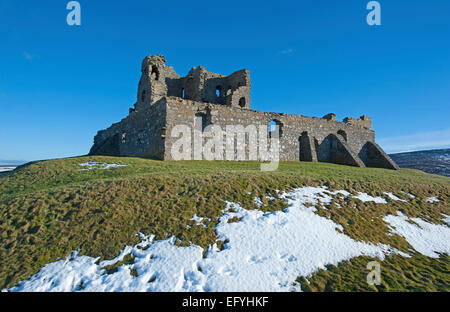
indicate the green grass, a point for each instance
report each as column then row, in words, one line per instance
column 418, row 273
column 50, row 208
column 113, row 268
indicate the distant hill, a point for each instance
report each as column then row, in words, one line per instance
column 431, row 161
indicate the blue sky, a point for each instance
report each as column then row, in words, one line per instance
column 60, row 84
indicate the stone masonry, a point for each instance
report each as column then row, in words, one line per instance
column 165, row 100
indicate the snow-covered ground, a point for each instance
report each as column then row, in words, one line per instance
column 427, row 238
column 432, row 200
column 446, row 219
column 263, row 251
column 101, row 166
column 410, row 195
column 199, row 220
column 393, row 197
column 367, row 198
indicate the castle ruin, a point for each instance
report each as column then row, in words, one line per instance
column 165, row 100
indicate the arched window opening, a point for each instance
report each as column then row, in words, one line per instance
column 143, row 96
column 342, row 134
column 155, row 73
column 304, row 145
column 218, row 91
column 182, row 93
column 275, row 128
column 242, row 102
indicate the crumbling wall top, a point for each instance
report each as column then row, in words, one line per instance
column 363, row 121
column 159, row 80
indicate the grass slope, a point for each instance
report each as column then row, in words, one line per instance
column 50, row 208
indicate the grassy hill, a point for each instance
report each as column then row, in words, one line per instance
column 50, row 208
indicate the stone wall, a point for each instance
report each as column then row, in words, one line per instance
column 139, row 134
column 323, row 133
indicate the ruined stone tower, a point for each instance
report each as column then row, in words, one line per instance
column 165, row 100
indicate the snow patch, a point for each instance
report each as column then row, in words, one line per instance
column 196, row 219
column 161, row 267
column 426, row 238
column 367, row 198
column 393, row 197
column 258, row 202
column 308, row 195
column 409, row 194
column 341, row 192
column 432, row 200
column 446, row 219
column 101, row 166
column 199, row 220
